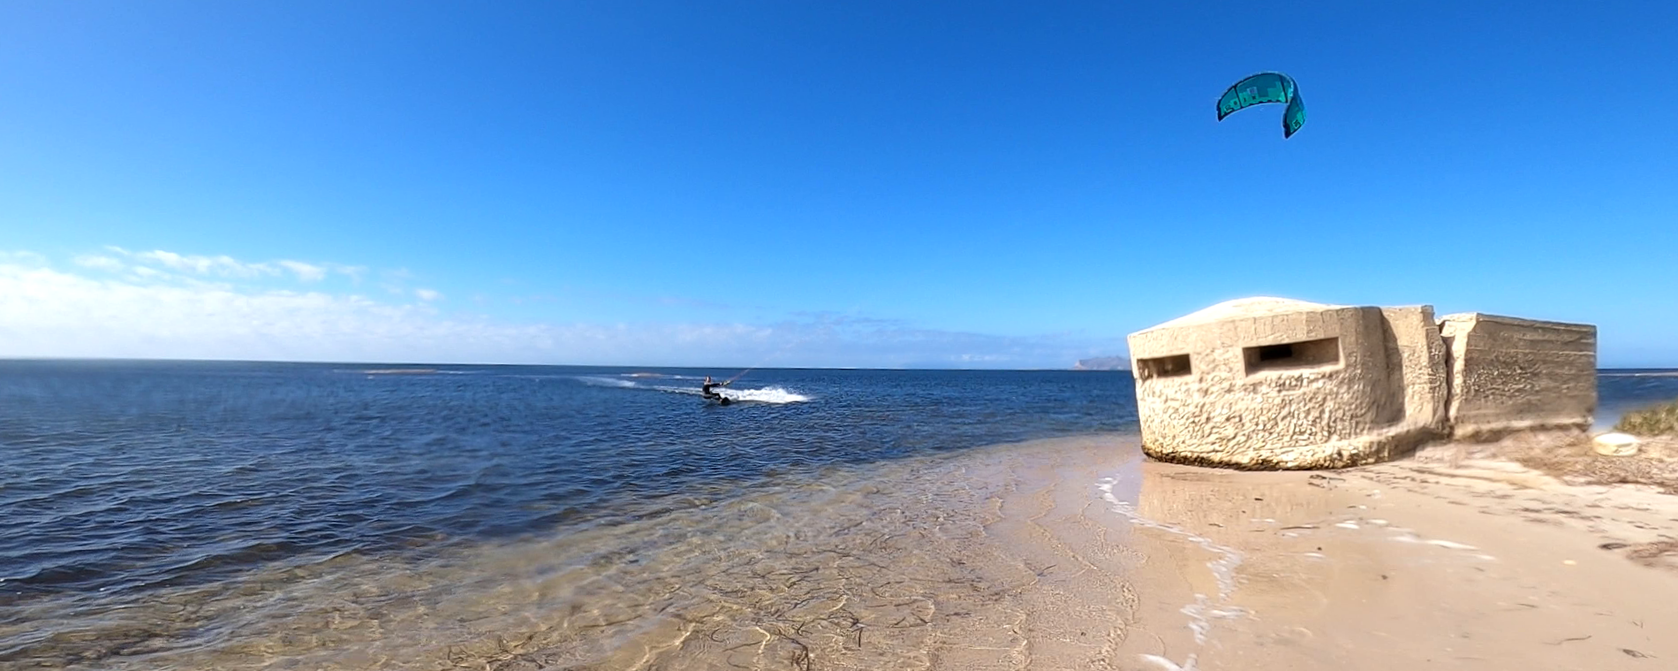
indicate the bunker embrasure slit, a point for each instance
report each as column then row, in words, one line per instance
column 1165, row 366
column 1307, row 354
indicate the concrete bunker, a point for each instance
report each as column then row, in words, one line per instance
column 1272, row 383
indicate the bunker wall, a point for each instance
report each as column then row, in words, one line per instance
column 1509, row 374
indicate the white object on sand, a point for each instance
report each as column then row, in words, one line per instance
column 1615, row 444
column 1169, row 665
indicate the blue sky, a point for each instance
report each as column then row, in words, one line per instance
column 843, row 184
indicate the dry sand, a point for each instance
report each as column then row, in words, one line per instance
column 1441, row 561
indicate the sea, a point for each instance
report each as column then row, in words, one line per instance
column 311, row 516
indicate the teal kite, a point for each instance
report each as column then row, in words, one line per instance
column 1266, row 87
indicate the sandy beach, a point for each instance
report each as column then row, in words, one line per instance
column 1431, row 562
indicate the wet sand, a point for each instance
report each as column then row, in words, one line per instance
column 1060, row 554
column 996, row 558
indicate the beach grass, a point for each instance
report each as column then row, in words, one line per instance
column 1657, row 420
column 1573, row 460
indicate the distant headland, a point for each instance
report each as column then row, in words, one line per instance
column 1103, row 363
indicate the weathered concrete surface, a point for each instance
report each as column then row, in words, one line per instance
column 1279, row 384
column 1510, row 374
column 1415, row 343
column 1270, row 383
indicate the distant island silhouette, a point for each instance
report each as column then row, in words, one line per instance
column 1103, row 363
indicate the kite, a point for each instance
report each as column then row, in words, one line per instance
column 1266, row 87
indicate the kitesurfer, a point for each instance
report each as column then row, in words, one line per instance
column 707, row 390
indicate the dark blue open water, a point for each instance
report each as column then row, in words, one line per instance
column 1621, row 390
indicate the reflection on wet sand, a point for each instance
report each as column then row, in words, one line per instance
column 1187, row 517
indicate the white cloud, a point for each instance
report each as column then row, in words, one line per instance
column 23, row 258
column 46, row 312
column 157, row 261
column 355, row 273
column 144, row 312
column 98, row 262
column 305, row 271
column 224, row 266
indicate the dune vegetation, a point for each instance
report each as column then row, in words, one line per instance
column 1658, row 420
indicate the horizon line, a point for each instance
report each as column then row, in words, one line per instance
column 3, row 359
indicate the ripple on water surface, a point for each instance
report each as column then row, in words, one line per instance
column 854, row 566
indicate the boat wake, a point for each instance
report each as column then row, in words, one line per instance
column 603, row 381
column 772, row 395
column 764, row 395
